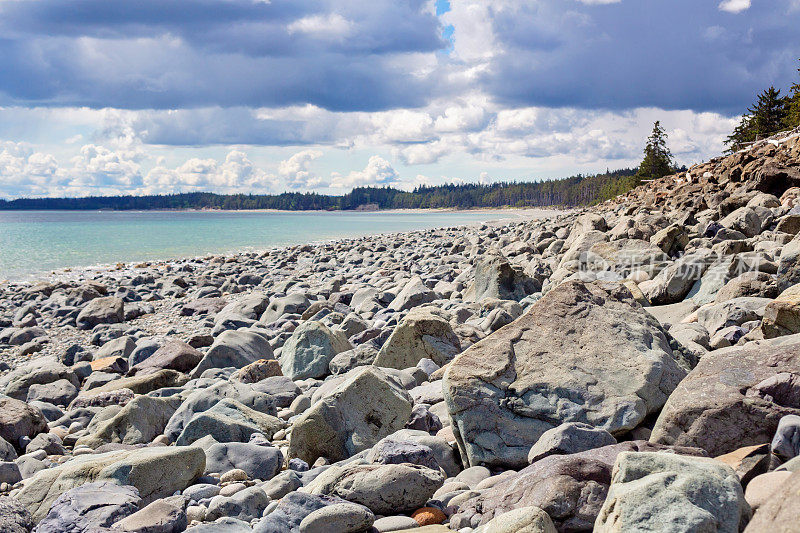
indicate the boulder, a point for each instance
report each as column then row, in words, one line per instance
column 340, row 517
column 384, row 489
column 496, row 278
column 246, row 504
column 782, row 315
column 60, row 392
column 734, row 397
column 672, row 284
column 107, row 310
column 18, row 419
column 155, row 472
column 310, row 349
column 789, row 265
column 228, row 421
column 234, row 349
column 355, row 415
column 173, row 354
column 568, row 438
column 521, row 520
column 40, row 372
column 294, row 303
column 361, row 355
column 734, row 312
column 414, row 293
column 786, row 442
column 745, row 220
column 781, row 512
column 143, row 384
column 14, row 517
column 569, row 488
column 614, row 368
column 90, row 507
column 258, row 371
column 291, row 510
column 138, row 422
column 423, row 333
column 161, row 516
column 671, row 493
column 259, row 462
column 204, row 399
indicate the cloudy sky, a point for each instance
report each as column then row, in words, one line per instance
column 162, row 96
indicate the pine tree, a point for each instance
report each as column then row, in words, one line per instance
column 793, row 106
column 766, row 117
column 657, row 161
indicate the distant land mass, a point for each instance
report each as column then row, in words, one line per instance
column 577, row 190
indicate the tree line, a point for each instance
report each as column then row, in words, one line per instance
column 770, row 114
column 568, row 192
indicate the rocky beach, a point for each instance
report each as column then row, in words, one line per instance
column 633, row 366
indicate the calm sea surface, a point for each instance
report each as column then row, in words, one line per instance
column 34, row 242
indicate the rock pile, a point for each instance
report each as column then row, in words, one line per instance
column 630, row 367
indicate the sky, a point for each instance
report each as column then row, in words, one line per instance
column 267, row 96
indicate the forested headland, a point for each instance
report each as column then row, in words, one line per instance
column 573, row 191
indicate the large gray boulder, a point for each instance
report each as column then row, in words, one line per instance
column 583, row 353
column 496, row 278
column 293, row 303
column 173, row 354
column 414, row 293
column 89, row 507
column 18, row 419
column 568, row 438
column 355, row 415
column 108, row 310
column 155, row 472
column 673, row 494
column 735, row 397
column 423, row 333
column 234, row 348
column 204, row 399
column 138, row 422
column 384, row 489
column 14, row 517
column 228, row 421
column 259, row 462
column 733, row 312
column 310, row 349
column 673, row 284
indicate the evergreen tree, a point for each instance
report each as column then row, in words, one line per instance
column 793, row 106
column 766, row 117
column 657, row 161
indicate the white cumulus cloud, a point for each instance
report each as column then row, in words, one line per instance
column 734, row 6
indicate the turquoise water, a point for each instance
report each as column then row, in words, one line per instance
column 34, row 242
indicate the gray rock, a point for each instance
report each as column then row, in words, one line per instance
column 89, row 506
column 204, row 399
column 60, row 392
column 568, row 438
column 50, row 443
column 496, row 278
column 7, row 451
column 615, row 367
column 156, row 472
column 246, row 505
column 361, row 355
column 222, row 525
column 395, row 523
column 282, row 484
column 522, row 520
column 259, row 462
column 108, row 310
column 291, row 511
column 672, row 284
column 9, row 473
column 158, row 517
column 138, row 422
column 294, row 303
column 42, row 371
column 310, row 349
column 384, row 489
column 172, row 354
column 18, row 419
column 733, row 398
column 423, row 333
column 389, row 451
column 360, row 411
column 414, row 293
column 734, row 312
column 119, row 347
column 234, row 349
column 14, row 518
column 786, row 442
column 228, row 421
column 670, row 493
column 340, row 517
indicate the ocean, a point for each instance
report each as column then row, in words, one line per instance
column 36, row 242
